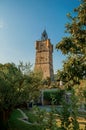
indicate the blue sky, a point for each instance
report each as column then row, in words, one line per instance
column 23, row 21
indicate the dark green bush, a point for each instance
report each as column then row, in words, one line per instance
column 53, row 95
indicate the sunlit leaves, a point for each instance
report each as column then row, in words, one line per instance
column 74, row 46
column 76, row 42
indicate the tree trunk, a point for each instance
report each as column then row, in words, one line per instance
column 4, row 116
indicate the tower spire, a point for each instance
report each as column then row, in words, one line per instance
column 44, row 35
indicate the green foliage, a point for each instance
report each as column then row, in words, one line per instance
column 10, row 77
column 25, row 68
column 74, row 46
column 68, row 114
column 73, row 71
column 75, row 43
column 84, row 93
column 45, row 119
column 39, row 115
column 16, row 124
column 16, row 88
column 53, row 96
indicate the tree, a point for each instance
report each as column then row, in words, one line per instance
column 74, row 46
column 10, row 77
column 15, row 88
column 25, row 68
column 74, row 67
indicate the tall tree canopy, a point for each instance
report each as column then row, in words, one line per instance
column 74, row 46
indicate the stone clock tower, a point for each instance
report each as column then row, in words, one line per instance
column 44, row 60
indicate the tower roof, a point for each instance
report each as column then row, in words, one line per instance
column 44, row 35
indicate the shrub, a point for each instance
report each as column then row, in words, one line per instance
column 54, row 96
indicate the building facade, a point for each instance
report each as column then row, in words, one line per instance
column 44, row 59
